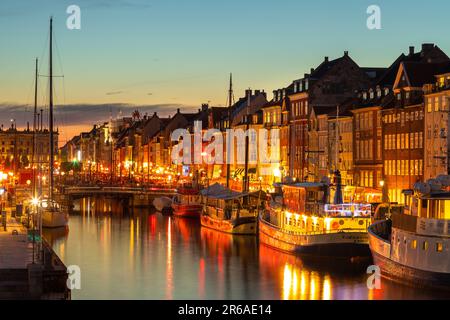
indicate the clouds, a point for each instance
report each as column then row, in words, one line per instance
column 84, row 114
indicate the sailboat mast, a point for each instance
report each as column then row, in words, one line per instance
column 337, row 138
column 33, row 159
column 50, row 122
column 230, row 103
column 246, row 185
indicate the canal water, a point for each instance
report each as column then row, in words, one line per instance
column 139, row 254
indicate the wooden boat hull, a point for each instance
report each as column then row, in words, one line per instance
column 398, row 272
column 341, row 245
column 188, row 211
column 243, row 226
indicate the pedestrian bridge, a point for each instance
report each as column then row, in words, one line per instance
column 151, row 192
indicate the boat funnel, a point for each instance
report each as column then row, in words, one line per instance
column 338, row 198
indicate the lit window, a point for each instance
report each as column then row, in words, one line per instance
column 439, row 247
column 425, row 245
column 414, row 244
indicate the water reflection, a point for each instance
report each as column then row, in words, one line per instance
column 138, row 254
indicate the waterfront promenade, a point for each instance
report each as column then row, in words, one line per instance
column 16, row 252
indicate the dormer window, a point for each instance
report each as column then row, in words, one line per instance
column 295, row 86
column 306, row 84
column 378, row 92
column 300, row 86
column 371, row 94
column 386, row 91
column 364, row 95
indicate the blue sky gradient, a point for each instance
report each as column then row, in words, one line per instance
column 178, row 52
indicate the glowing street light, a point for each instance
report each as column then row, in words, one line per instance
column 35, row 201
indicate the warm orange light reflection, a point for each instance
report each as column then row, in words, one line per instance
column 296, row 281
column 169, row 265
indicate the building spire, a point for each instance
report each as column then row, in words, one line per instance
column 230, row 92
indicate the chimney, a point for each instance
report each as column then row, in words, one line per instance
column 275, row 95
column 205, row 106
column 426, row 47
column 411, row 50
column 346, row 53
column 155, row 114
column 257, row 92
column 178, row 110
column 264, row 94
column 326, row 59
column 28, row 126
column 248, row 93
column 312, row 70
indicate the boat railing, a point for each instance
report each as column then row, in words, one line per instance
column 380, row 230
column 261, row 217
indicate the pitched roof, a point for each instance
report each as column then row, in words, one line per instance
column 321, row 110
column 420, row 73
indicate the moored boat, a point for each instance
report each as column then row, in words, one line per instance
column 304, row 223
column 163, row 204
column 414, row 246
column 53, row 215
column 229, row 211
column 187, row 203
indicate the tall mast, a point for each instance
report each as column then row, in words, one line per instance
column 246, row 185
column 33, row 159
column 230, row 103
column 337, row 138
column 50, row 122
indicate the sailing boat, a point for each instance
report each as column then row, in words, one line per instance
column 52, row 214
column 229, row 211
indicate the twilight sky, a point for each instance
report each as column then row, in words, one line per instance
column 162, row 54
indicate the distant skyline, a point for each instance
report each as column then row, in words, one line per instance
column 169, row 54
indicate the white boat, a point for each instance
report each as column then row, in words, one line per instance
column 53, row 216
column 414, row 246
column 163, row 204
